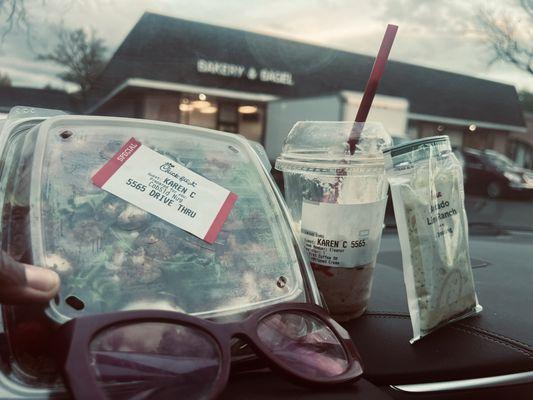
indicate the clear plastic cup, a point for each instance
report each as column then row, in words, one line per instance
column 337, row 202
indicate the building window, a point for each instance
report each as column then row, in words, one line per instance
column 251, row 122
column 160, row 106
column 521, row 153
column 413, row 130
column 223, row 114
column 228, row 115
column 228, row 118
column 198, row 111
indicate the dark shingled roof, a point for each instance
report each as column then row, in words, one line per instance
column 167, row 49
column 11, row 96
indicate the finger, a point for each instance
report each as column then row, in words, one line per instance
column 23, row 283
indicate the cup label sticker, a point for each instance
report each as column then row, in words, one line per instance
column 342, row 235
column 166, row 189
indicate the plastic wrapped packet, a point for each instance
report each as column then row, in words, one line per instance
column 427, row 189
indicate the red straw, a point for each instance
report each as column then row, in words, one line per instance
column 372, row 85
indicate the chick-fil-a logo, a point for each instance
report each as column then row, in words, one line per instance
column 168, row 168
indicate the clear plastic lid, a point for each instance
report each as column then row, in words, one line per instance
column 322, row 146
column 20, row 117
column 112, row 256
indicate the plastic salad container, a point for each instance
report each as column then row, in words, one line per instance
column 113, row 256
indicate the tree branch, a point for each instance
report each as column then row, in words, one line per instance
column 504, row 37
column 82, row 55
column 16, row 13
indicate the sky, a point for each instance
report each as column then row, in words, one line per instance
column 441, row 34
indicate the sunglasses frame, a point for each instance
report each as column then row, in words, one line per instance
column 74, row 337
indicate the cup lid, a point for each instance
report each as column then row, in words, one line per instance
column 326, row 143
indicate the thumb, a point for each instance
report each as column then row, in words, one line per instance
column 24, row 283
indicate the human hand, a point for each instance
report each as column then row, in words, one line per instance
column 23, row 283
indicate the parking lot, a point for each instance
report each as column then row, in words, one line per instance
column 504, row 212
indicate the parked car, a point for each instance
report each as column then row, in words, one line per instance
column 493, row 174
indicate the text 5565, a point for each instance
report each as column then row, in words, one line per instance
column 136, row 185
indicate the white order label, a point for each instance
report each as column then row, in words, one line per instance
column 342, row 235
column 162, row 187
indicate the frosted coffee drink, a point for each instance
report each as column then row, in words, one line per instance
column 337, row 201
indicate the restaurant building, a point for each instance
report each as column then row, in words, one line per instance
column 176, row 70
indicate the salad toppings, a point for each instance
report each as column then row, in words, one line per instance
column 132, row 218
column 58, row 264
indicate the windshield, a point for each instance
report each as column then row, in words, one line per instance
column 260, row 69
column 256, row 68
column 500, row 161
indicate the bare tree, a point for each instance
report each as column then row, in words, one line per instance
column 509, row 34
column 5, row 80
column 526, row 100
column 82, row 54
column 15, row 15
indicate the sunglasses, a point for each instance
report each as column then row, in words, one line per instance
column 164, row 354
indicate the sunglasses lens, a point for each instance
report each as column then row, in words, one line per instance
column 153, row 360
column 303, row 343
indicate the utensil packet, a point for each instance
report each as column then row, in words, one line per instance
column 427, row 189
